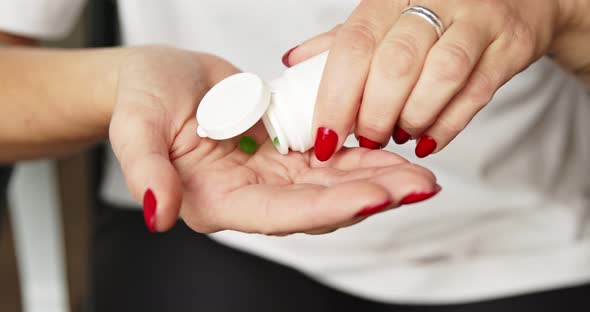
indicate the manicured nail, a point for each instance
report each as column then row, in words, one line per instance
column 425, row 146
column 149, row 210
column 418, row 197
column 400, row 136
column 371, row 210
column 370, row 144
column 285, row 58
column 325, row 143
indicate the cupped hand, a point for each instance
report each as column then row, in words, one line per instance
column 388, row 74
column 214, row 185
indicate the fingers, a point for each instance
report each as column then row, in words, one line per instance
column 395, row 69
column 356, row 158
column 346, row 71
column 305, row 207
column 216, row 70
column 141, row 146
column 488, row 76
column 405, row 77
column 448, row 67
column 321, row 199
column 273, row 210
column 417, row 179
column 162, row 196
column 310, row 48
column 382, row 167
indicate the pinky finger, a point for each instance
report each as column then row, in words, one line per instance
column 488, row 76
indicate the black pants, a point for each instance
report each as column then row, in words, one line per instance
column 4, row 176
column 134, row 270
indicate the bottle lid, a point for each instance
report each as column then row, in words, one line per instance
column 232, row 106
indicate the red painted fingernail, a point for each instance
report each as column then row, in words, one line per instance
column 425, row 146
column 418, row 197
column 285, row 58
column 149, row 210
column 370, row 144
column 371, row 210
column 325, row 143
column 400, row 136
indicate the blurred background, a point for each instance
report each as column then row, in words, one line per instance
column 44, row 243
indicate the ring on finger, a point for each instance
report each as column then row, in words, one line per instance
column 428, row 15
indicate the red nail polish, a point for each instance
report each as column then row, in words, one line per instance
column 325, row 143
column 149, row 210
column 371, row 210
column 285, row 58
column 418, row 197
column 425, row 146
column 400, row 136
column 370, row 144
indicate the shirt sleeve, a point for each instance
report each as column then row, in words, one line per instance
column 39, row 19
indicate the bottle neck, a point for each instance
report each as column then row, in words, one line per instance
column 272, row 123
column 288, row 119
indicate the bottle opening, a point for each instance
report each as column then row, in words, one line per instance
column 276, row 135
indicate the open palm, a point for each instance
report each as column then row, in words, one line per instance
column 218, row 186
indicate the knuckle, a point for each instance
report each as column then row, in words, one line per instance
column 482, row 89
column 400, row 54
column 450, row 63
column 451, row 126
column 361, row 37
column 416, row 169
column 524, row 40
column 376, row 125
column 415, row 124
column 499, row 8
column 329, row 101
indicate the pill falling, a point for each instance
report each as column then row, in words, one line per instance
column 275, row 141
column 248, row 145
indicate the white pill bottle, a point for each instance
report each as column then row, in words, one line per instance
column 285, row 105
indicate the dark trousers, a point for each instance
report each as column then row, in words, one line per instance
column 134, row 270
column 4, row 176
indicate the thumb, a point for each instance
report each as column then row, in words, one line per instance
column 310, row 47
column 141, row 145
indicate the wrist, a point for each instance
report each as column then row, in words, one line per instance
column 103, row 89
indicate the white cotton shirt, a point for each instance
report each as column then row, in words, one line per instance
column 513, row 216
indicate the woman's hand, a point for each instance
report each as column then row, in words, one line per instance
column 218, row 186
column 389, row 73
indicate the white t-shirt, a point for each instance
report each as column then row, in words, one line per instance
column 513, row 216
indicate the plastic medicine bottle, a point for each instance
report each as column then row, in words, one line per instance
column 285, row 105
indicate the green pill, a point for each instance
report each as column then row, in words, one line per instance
column 275, row 141
column 248, row 145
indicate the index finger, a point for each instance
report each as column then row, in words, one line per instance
column 346, row 71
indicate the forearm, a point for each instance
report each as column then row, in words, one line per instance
column 571, row 47
column 55, row 101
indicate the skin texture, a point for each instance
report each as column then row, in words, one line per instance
column 54, row 102
column 58, row 101
column 386, row 70
column 215, row 184
column 144, row 99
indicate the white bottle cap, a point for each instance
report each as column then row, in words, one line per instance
column 232, row 106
